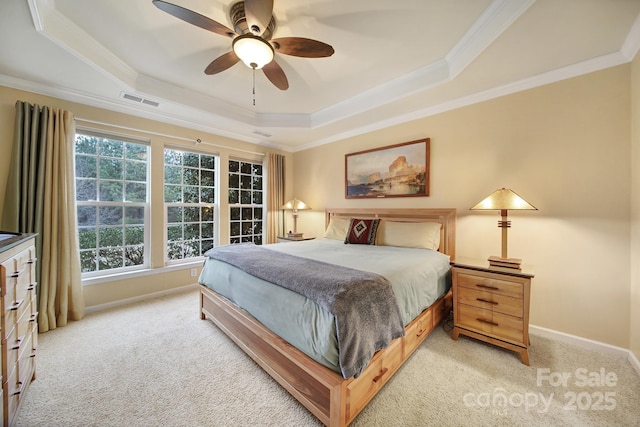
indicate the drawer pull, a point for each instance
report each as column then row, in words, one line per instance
column 17, row 392
column 33, row 317
column 16, row 304
column 17, row 344
column 488, row 301
column 16, row 273
column 487, row 321
column 420, row 332
column 32, row 286
column 32, row 261
column 493, row 288
column 379, row 376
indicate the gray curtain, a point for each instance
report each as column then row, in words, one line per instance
column 275, row 195
column 40, row 198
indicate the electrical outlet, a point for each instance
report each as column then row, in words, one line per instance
column 194, row 271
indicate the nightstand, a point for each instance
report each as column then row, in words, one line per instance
column 286, row 239
column 492, row 305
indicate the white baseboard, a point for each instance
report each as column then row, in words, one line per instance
column 582, row 342
column 588, row 344
column 144, row 297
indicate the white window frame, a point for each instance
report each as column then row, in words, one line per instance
column 245, row 205
column 215, row 205
column 145, row 205
column 167, row 205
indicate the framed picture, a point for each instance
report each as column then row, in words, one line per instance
column 400, row 170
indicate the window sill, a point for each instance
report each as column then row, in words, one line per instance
column 140, row 273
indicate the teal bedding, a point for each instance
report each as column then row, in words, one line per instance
column 418, row 278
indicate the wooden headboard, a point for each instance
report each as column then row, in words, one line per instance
column 445, row 216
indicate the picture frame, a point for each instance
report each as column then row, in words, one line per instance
column 399, row 170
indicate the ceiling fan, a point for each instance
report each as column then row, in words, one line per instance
column 254, row 25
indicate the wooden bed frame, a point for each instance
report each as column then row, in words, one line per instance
column 335, row 401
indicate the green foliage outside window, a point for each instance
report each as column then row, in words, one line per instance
column 245, row 200
column 111, row 195
column 189, row 195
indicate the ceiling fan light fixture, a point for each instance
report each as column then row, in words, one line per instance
column 254, row 51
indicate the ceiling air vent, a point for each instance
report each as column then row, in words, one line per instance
column 136, row 98
column 266, row 135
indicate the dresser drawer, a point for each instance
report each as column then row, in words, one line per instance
column 19, row 324
column 15, row 312
column 19, row 277
column 12, row 347
column 491, row 323
column 490, row 301
column 11, row 389
column 27, row 320
column 17, row 384
column 489, row 284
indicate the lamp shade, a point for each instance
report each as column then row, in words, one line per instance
column 295, row 204
column 504, row 199
column 254, row 51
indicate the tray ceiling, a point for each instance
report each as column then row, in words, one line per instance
column 394, row 60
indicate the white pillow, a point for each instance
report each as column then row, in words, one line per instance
column 409, row 234
column 337, row 228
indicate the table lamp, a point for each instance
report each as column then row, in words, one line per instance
column 295, row 205
column 504, row 200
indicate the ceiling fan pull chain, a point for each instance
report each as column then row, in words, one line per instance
column 254, row 86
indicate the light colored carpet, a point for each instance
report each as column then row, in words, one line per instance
column 156, row 363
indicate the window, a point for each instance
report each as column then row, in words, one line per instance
column 112, row 202
column 189, row 195
column 245, row 200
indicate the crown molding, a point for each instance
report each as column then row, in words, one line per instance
column 492, row 22
column 187, row 108
column 575, row 70
column 196, row 120
column 386, row 93
column 631, row 43
column 65, row 33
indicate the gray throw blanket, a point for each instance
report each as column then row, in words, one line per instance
column 363, row 303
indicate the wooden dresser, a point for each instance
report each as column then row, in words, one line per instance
column 19, row 320
column 492, row 305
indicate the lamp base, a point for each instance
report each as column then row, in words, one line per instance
column 294, row 235
column 495, row 261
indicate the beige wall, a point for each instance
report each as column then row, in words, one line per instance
column 162, row 280
column 635, row 209
column 564, row 147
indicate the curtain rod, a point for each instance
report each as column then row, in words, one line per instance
column 196, row 141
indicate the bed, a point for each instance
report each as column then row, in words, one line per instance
column 317, row 379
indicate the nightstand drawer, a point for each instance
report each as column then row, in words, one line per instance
column 487, row 284
column 491, row 323
column 490, row 301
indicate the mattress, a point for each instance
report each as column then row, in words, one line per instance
column 418, row 278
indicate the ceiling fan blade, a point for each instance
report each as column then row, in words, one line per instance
column 276, row 75
column 299, row 46
column 258, row 14
column 194, row 18
column 222, row 62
